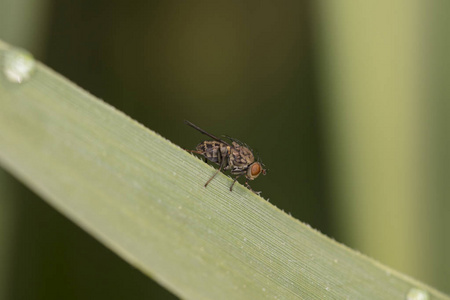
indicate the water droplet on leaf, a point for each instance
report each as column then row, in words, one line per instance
column 17, row 65
column 417, row 294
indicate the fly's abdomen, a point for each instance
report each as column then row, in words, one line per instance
column 210, row 149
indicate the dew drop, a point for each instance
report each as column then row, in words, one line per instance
column 18, row 65
column 417, row 294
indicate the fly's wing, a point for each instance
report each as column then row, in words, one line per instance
column 238, row 142
column 205, row 133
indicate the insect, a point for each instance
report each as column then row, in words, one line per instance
column 236, row 157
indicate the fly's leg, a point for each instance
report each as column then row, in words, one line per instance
column 222, row 164
column 250, row 188
column 234, row 181
column 195, row 151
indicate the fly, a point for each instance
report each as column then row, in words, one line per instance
column 235, row 157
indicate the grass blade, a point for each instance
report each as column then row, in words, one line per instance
column 143, row 197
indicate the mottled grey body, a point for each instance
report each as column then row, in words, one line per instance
column 235, row 157
column 238, row 157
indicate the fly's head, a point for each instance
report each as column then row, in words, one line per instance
column 255, row 169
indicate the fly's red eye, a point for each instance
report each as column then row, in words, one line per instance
column 256, row 169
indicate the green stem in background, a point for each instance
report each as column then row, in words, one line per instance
column 144, row 198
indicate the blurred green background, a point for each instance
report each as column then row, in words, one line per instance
column 346, row 103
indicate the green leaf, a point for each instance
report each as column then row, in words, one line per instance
column 143, row 197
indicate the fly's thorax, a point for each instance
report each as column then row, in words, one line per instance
column 241, row 157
